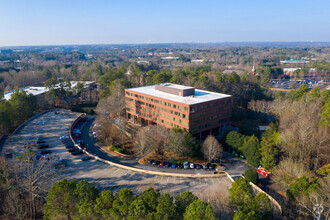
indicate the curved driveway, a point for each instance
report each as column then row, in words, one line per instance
column 102, row 175
column 234, row 167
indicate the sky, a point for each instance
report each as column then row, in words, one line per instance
column 67, row 22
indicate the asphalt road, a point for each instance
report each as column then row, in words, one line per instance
column 104, row 176
column 234, row 167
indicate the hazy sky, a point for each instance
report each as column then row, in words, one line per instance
column 48, row 22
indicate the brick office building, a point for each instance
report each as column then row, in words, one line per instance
column 175, row 106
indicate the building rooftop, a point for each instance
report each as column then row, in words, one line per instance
column 29, row 90
column 294, row 61
column 199, row 96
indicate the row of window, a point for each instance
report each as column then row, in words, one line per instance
column 138, row 103
column 182, row 108
column 212, row 117
column 210, row 105
column 210, row 124
column 213, row 111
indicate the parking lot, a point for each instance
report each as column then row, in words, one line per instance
column 101, row 175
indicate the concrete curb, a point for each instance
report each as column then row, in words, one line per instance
column 138, row 169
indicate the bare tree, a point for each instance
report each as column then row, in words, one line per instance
column 211, row 148
column 177, row 144
column 34, row 177
column 150, row 140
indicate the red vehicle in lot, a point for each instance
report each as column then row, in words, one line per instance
column 263, row 172
column 162, row 163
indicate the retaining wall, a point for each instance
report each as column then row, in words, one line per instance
column 138, row 169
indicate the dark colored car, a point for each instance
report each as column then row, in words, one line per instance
column 8, row 155
column 68, row 143
column 205, row 166
column 150, row 162
column 77, row 152
column 60, row 165
column 86, row 158
column 198, row 166
column 179, row 166
column 41, row 138
column 155, row 162
column 45, row 152
column 162, row 163
column 211, row 167
column 167, row 164
column 42, row 146
column 173, row 165
column 41, row 141
column 69, row 146
column 73, row 149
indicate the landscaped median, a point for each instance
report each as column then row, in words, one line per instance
column 222, row 173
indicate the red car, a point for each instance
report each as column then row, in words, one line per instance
column 263, row 172
column 162, row 163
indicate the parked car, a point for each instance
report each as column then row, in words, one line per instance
column 41, row 138
column 45, row 152
column 64, row 137
column 86, row 158
column 186, row 165
column 167, row 164
column 155, row 163
column 42, row 146
column 198, row 166
column 162, row 163
column 179, row 166
column 41, row 141
column 69, row 146
column 205, row 166
column 192, row 166
column 211, row 167
column 59, row 165
column 173, row 165
column 77, row 152
column 8, row 155
column 150, row 161
column 73, row 149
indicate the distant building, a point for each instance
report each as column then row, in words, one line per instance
column 170, row 58
column 175, row 106
column 197, row 61
column 253, row 71
column 290, row 71
column 293, row 61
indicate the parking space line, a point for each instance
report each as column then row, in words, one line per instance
column 168, row 178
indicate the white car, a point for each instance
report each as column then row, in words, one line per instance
column 192, row 166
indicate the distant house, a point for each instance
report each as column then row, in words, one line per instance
column 293, row 61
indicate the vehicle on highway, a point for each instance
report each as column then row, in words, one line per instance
column 179, row 166
column 42, row 146
column 155, row 163
column 150, row 161
column 77, row 152
column 192, row 166
column 198, row 166
column 162, row 163
column 167, row 164
column 86, row 158
column 186, row 165
column 205, row 166
column 173, row 165
column 45, row 152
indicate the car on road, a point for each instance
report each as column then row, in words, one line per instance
column 42, row 146
column 86, row 158
column 77, row 152
column 192, row 166
column 186, row 165
column 45, row 152
column 173, row 165
column 167, row 164
column 155, row 163
column 150, row 161
column 162, row 163
column 198, row 166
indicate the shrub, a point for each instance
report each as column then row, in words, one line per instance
column 117, row 149
column 251, row 176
